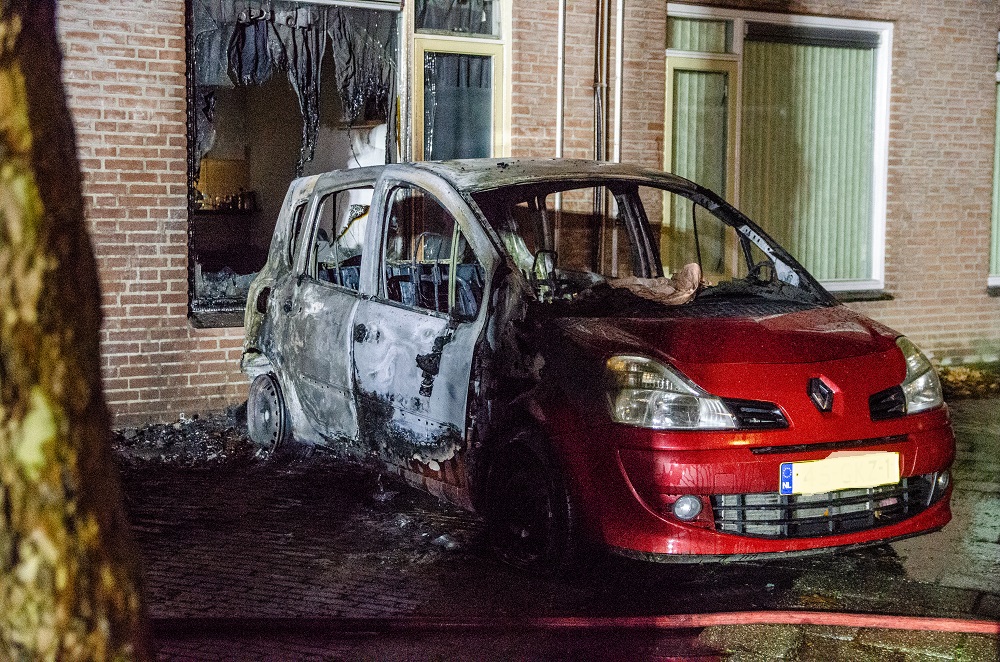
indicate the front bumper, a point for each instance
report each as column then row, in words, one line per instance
column 626, row 500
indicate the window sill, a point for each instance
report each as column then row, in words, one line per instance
column 221, row 316
column 852, row 296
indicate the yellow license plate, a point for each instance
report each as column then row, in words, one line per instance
column 841, row 471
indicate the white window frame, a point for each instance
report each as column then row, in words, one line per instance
column 880, row 136
column 993, row 280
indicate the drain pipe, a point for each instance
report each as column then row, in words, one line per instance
column 619, row 68
column 560, row 105
column 601, row 27
column 560, row 77
column 616, row 150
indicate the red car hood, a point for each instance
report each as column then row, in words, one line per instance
column 809, row 336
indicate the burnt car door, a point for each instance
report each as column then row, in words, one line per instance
column 414, row 339
column 325, row 295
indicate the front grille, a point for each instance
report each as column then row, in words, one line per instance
column 772, row 515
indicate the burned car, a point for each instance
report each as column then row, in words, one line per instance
column 589, row 352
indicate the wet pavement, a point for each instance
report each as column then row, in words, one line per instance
column 313, row 558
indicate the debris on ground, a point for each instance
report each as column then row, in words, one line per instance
column 970, row 381
column 198, row 441
column 391, row 522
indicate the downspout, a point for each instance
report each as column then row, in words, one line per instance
column 560, row 103
column 619, row 67
column 560, row 77
column 601, row 27
column 616, row 150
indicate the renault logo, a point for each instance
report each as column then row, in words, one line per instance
column 820, row 394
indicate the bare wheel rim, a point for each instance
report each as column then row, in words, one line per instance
column 265, row 412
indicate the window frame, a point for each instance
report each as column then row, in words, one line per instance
column 498, row 47
column 880, row 119
column 993, row 277
column 310, row 269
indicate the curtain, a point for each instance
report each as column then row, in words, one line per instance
column 458, row 106
column 699, row 153
column 464, row 16
column 244, row 43
column 806, row 153
column 364, row 53
column 691, row 34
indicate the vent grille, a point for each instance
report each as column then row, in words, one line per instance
column 754, row 415
column 890, row 403
column 772, row 515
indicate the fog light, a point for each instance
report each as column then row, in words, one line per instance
column 943, row 480
column 687, row 507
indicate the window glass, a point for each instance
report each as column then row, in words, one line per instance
column 458, row 105
column 338, row 245
column 692, row 34
column 699, row 136
column 428, row 262
column 471, row 17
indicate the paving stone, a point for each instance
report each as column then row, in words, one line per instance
column 933, row 645
column 309, row 539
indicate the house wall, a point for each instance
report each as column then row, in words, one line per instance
column 124, row 71
column 942, row 122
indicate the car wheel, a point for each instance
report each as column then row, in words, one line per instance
column 267, row 418
column 530, row 515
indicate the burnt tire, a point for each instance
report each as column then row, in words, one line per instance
column 267, row 416
column 530, row 515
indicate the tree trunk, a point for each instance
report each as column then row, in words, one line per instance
column 69, row 584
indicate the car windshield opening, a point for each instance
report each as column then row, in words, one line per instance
column 572, row 241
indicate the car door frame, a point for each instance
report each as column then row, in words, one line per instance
column 320, row 365
column 403, row 426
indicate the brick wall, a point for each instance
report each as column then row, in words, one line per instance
column 124, row 73
column 123, row 69
column 942, row 116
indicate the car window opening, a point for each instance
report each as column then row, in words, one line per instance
column 429, row 264
column 566, row 241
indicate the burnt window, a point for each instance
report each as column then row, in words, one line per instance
column 276, row 90
column 429, row 265
column 339, row 241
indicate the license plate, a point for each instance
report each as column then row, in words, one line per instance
column 839, row 472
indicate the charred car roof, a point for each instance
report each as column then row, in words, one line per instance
column 476, row 175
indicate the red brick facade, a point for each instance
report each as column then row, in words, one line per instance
column 123, row 67
column 124, row 71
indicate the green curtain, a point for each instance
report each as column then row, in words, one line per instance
column 806, row 153
column 690, row 34
column 699, row 154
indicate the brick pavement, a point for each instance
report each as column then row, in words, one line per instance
column 319, row 539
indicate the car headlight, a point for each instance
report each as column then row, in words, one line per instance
column 651, row 395
column 921, row 387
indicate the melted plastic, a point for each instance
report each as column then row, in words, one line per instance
column 244, row 45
